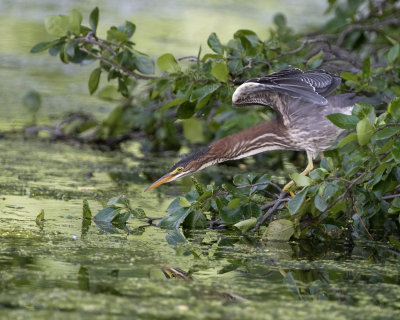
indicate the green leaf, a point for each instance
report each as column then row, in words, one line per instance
column 129, row 29
column 94, row 80
column 32, row 101
column 121, row 200
column 40, row 217
column 69, row 49
column 364, row 110
column 94, row 19
column 193, row 130
column 41, row 46
column 86, row 212
column 122, row 217
column 349, row 138
column 295, row 203
column 113, row 34
column 316, row 60
column 279, row 230
column 394, row 108
column 366, row 67
column 173, row 103
column 327, row 164
column 393, row 53
column 109, row 93
column 395, row 243
column 202, row 92
column 138, row 213
column 57, row 26
column 143, row 63
column 214, row 44
column 186, row 110
column 220, row 72
column 280, row 20
column 195, row 220
column 231, row 217
column 246, row 225
column 107, row 214
column 300, row 180
column 75, row 20
column 343, row 121
column 364, row 131
column 174, row 220
column 234, row 203
column 168, row 63
column 251, row 210
column 318, row 174
column 396, row 150
column 320, row 203
column 250, row 35
column 349, row 76
column 386, row 133
column 183, row 202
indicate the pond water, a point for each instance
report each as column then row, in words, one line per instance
column 66, row 268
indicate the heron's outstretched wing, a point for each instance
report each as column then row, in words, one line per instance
column 287, row 90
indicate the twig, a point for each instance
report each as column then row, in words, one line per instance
column 353, row 182
column 372, row 27
column 192, row 58
column 338, row 179
column 388, row 125
column 247, row 66
column 271, row 203
column 302, row 46
column 112, row 64
column 36, row 129
column 275, row 205
column 362, row 222
column 150, row 220
column 261, row 184
column 93, row 40
column 391, row 196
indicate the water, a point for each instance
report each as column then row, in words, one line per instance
column 66, row 268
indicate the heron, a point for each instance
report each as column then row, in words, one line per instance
column 301, row 101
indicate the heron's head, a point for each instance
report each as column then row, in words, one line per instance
column 189, row 164
column 250, row 93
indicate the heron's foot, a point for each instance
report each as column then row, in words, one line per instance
column 287, row 188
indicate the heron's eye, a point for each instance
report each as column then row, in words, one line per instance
column 178, row 170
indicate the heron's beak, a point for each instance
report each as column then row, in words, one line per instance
column 162, row 180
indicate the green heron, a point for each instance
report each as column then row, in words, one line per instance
column 301, row 101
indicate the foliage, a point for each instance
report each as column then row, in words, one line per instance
column 118, row 211
column 356, row 185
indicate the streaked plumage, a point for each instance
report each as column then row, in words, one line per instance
column 301, row 101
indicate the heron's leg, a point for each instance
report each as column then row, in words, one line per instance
column 310, row 165
column 306, row 171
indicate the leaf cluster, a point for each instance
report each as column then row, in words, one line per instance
column 187, row 100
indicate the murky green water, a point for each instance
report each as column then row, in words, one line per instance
column 67, row 269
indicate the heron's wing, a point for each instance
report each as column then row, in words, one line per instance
column 286, row 91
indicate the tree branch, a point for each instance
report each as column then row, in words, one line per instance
column 391, row 196
column 302, row 46
column 273, row 205
column 372, row 27
column 117, row 67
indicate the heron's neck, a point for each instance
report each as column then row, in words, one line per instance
column 262, row 137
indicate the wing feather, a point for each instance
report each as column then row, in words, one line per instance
column 283, row 90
